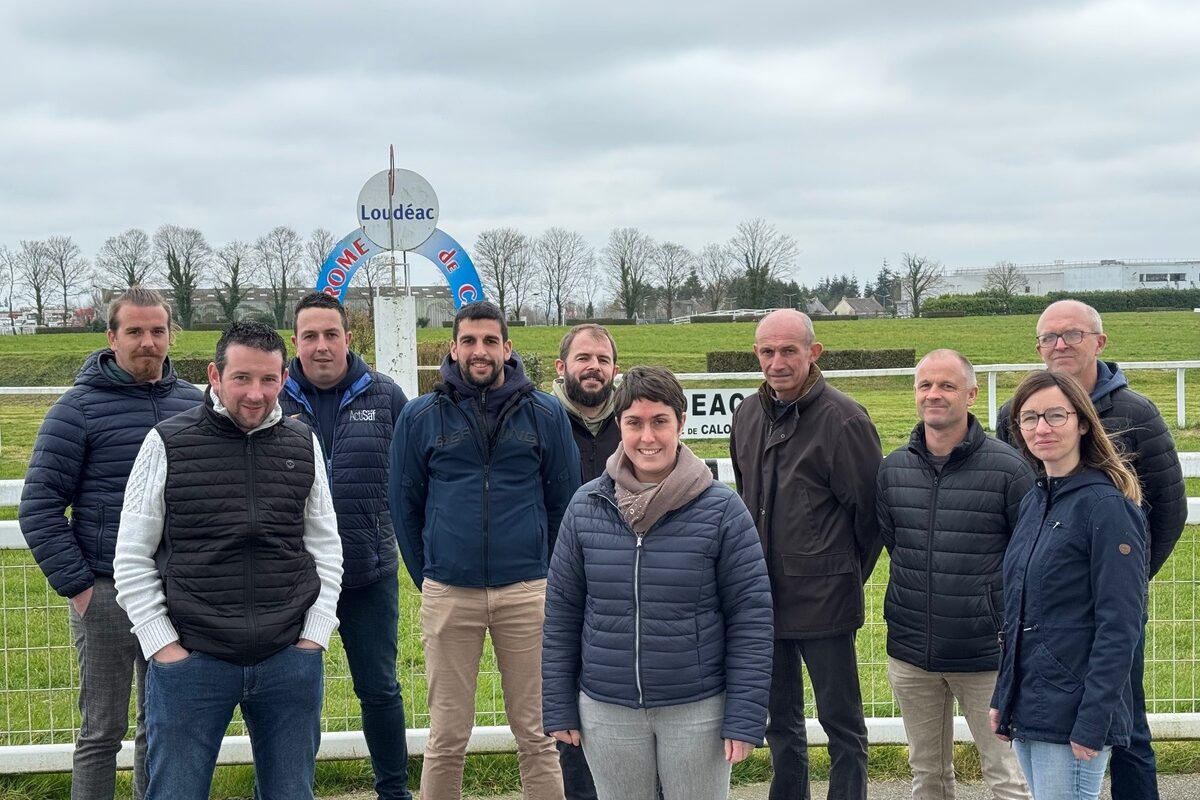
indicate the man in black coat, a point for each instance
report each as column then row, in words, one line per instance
column 947, row 503
column 1070, row 339
column 587, row 368
column 81, row 460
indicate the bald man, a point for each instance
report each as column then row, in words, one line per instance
column 805, row 458
column 1070, row 339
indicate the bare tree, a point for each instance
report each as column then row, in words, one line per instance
column 627, row 265
column 1004, row 280
column 317, row 248
column 36, row 272
column 505, row 266
column 9, row 263
column 716, row 269
column 183, row 257
column 233, row 271
column 280, row 255
column 765, row 254
column 67, row 267
column 919, row 278
column 561, row 256
column 672, row 263
column 590, row 284
column 125, row 259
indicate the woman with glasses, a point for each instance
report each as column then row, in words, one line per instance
column 1074, row 591
column 657, row 645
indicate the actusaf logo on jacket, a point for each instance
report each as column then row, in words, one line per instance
column 363, row 415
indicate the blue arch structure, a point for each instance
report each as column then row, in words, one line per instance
column 448, row 255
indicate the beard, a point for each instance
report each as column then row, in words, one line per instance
column 464, row 367
column 582, row 397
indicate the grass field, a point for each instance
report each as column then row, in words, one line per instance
column 37, row 693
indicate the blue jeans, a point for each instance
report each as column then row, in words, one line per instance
column 368, row 618
column 1054, row 773
column 1133, row 769
column 189, row 705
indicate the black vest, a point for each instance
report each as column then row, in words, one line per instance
column 237, row 577
column 595, row 450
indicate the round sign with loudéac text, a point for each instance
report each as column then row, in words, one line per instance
column 397, row 209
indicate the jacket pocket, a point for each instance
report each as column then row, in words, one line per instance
column 818, row 566
column 1054, row 672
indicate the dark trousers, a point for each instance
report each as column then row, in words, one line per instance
column 368, row 617
column 1132, row 768
column 833, row 668
column 577, row 776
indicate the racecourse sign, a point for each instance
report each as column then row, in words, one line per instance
column 397, row 209
column 710, row 411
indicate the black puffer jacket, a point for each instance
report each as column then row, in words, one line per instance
column 81, row 459
column 946, row 535
column 684, row 616
column 1141, row 434
column 595, row 450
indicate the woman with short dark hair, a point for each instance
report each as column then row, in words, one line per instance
column 1075, row 579
column 658, row 637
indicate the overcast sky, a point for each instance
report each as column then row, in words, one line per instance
column 967, row 132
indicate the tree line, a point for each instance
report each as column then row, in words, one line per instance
column 555, row 275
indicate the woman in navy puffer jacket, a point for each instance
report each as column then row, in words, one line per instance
column 658, row 634
column 1074, row 594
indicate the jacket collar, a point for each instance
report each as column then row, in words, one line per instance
column 974, row 440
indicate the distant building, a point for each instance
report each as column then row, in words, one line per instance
column 1084, row 276
column 814, row 306
column 867, row 307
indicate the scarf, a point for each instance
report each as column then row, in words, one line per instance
column 642, row 506
column 593, row 424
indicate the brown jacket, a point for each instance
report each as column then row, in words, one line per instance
column 808, row 479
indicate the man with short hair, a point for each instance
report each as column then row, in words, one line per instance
column 805, row 458
column 229, row 566
column 1070, row 340
column 482, row 469
column 81, row 460
column 947, row 504
column 587, row 369
column 353, row 410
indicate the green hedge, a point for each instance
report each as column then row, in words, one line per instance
column 745, row 361
column 605, row 321
column 986, row 304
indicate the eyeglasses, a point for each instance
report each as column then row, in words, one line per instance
column 1070, row 337
column 1055, row 417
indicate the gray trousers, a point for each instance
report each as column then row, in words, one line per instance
column 109, row 656
column 681, row 745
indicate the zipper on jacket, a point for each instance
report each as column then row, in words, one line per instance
column 637, row 617
column 487, row 520
column 248, row 546
column 933, row 504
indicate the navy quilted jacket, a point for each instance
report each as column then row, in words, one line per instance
column 682, row 617
column 81, row 458
column 357, row 465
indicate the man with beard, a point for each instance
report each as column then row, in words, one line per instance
column 81, row 460
column 482, row 469
column 586, row 366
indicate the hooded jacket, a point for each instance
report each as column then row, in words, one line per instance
column 356, row 462
column 682, row 614
column 81, row 459
column 808, row 478
column 480, row 478
column 946, row 533
column 1074, row 594
column 1141, row 434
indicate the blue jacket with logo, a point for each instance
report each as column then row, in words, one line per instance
column 81, row 458
column 680, row 615
column 1075, row 578
column 356, row 464
column 480, row 479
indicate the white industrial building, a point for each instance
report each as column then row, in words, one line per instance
column 1085, row 276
